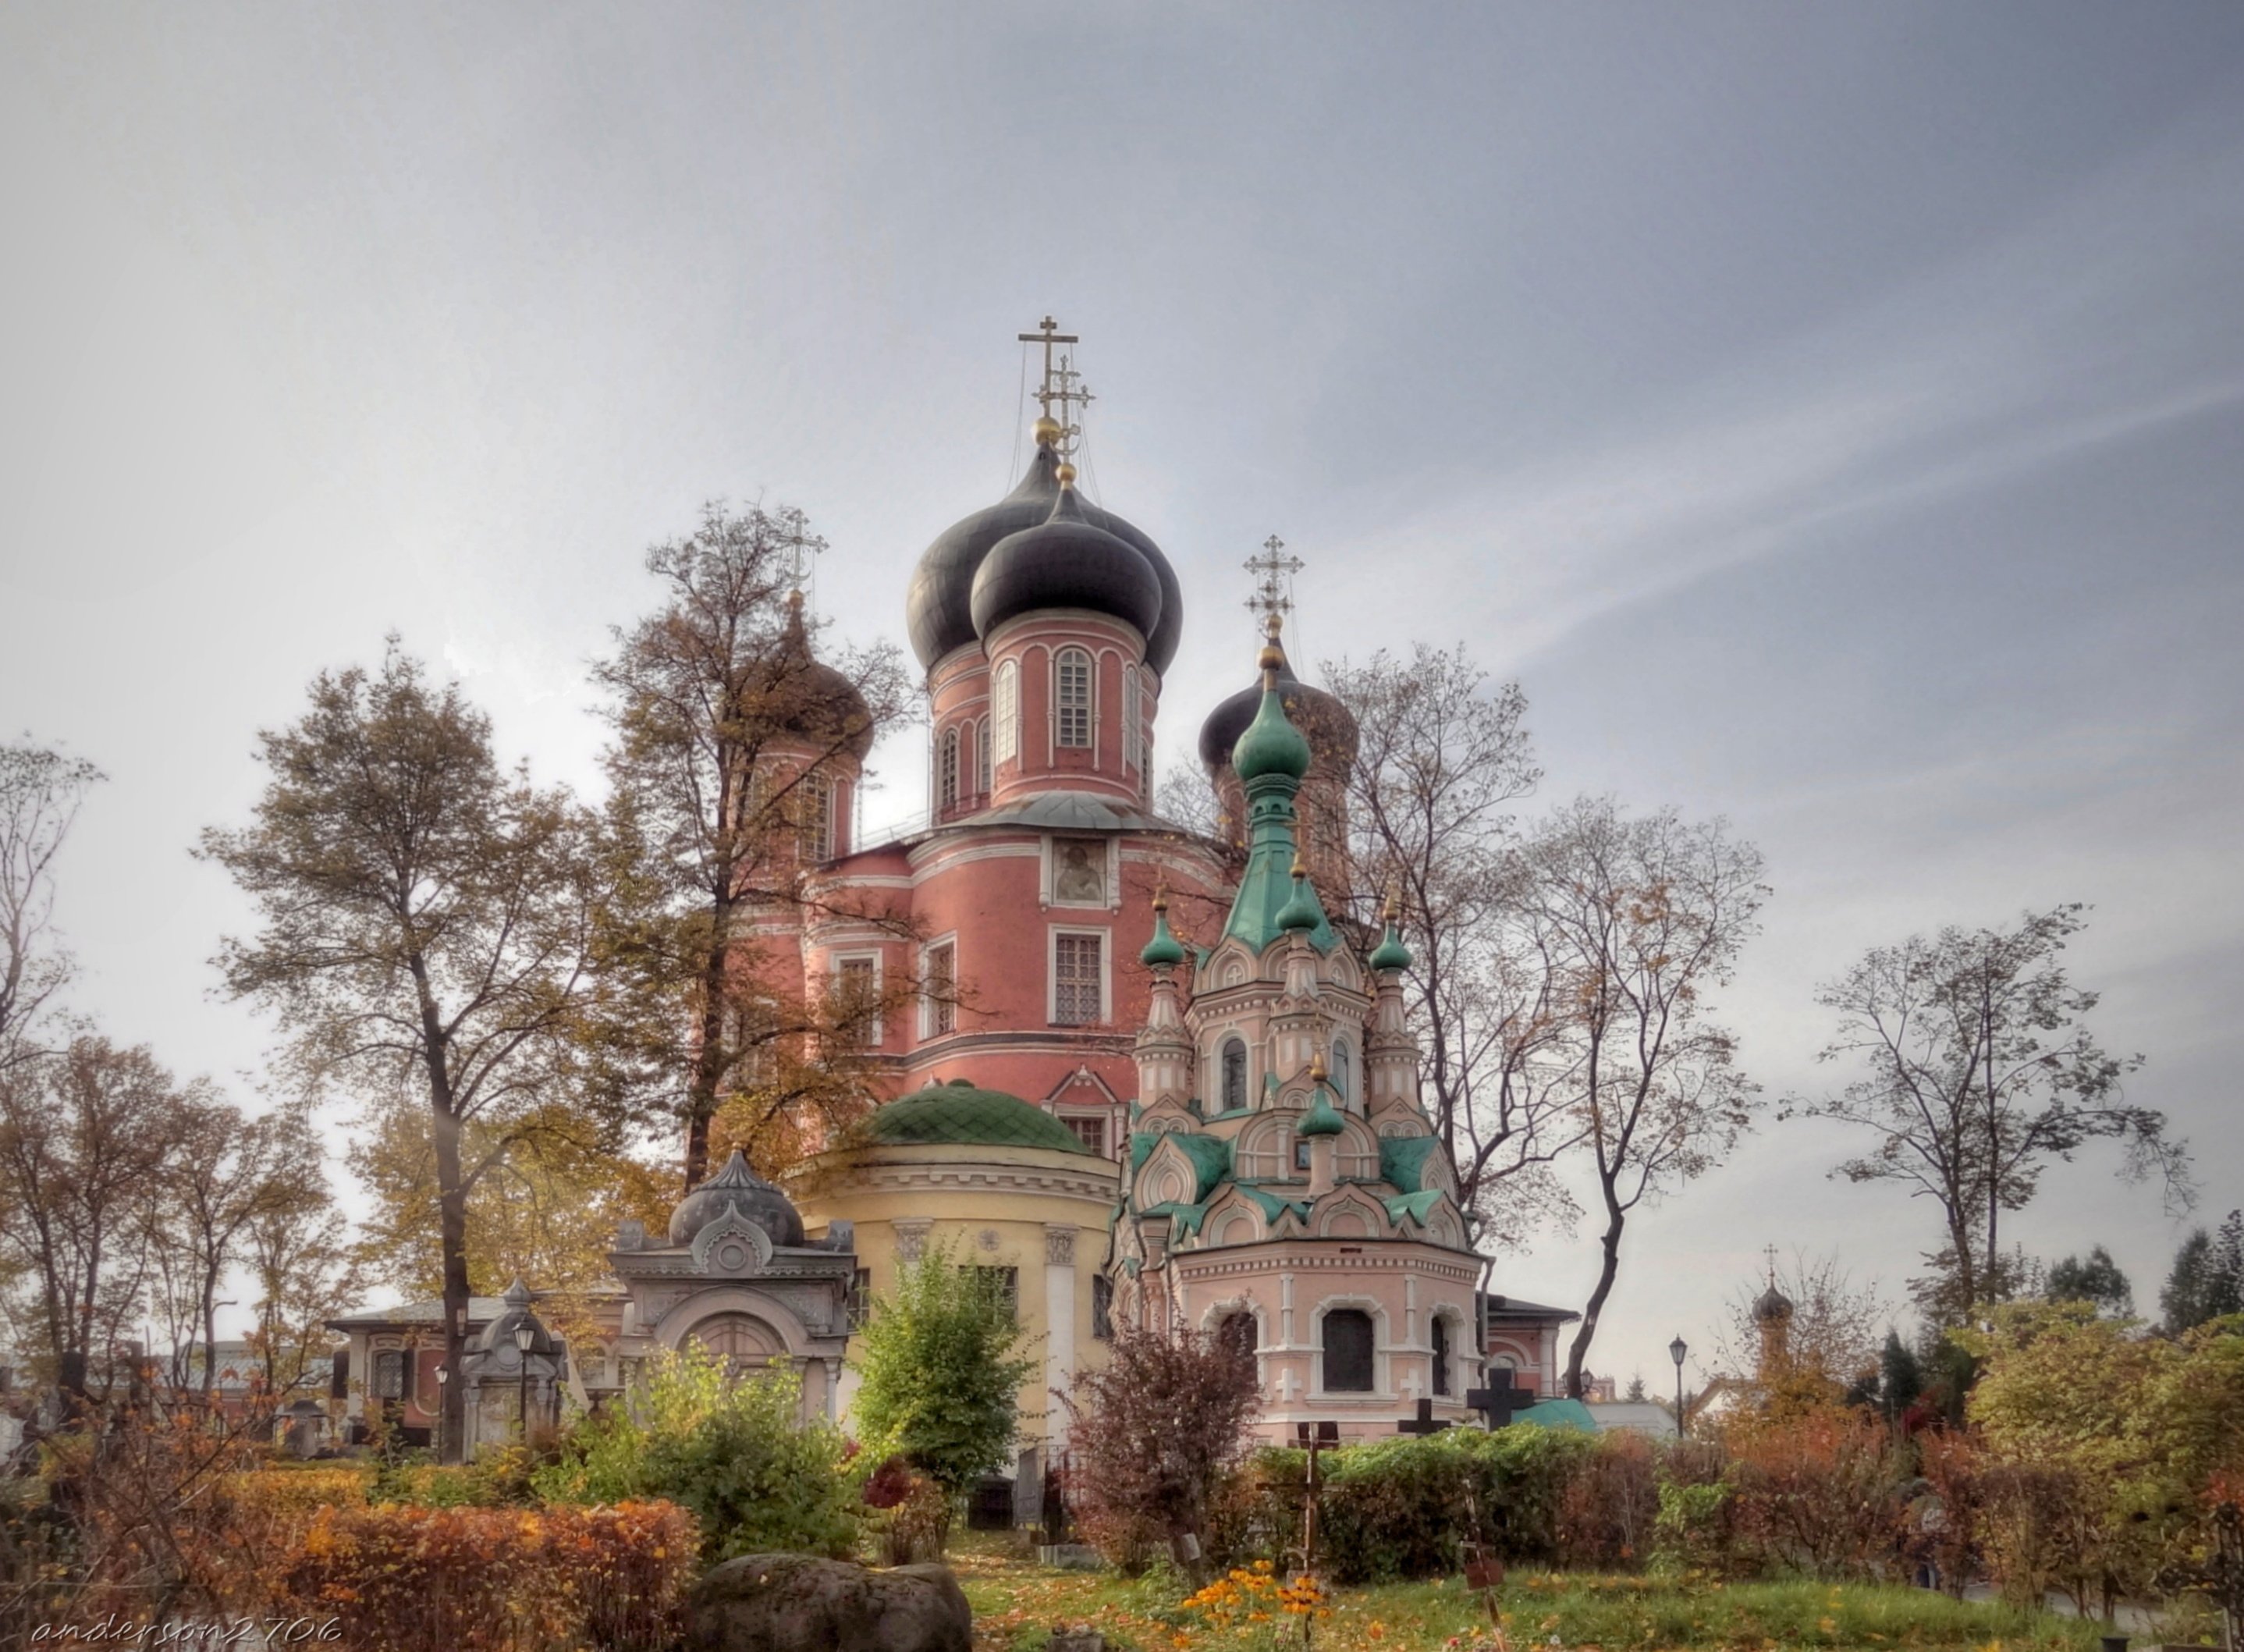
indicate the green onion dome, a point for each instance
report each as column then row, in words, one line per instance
column 959, row 1112
column 1390, row 953
column 1164, row 951
column 1271, row 745
column 1300, row 910
column 1322, row 1119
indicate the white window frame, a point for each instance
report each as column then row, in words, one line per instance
column 1061, row 659
column 814, row 838
column 1007, row 711
column 1105, row 939
column 931, row 1011
column 985, row 768
column 946, row 767
column 1104, row 1120
column 876, row 1029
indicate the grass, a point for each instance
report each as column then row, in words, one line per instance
column 1017, row 1603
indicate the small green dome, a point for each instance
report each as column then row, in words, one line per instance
column 1390, row 953
column 958, row 1113
column 1271, row 745
column 1320, row 1120
column 1164, row 951
column 1300, row 910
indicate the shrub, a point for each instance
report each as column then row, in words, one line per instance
column 401, row 1578
column 1608, row 1504
column 1818, row 1492
column 735, row 1453
column 1156, row 1432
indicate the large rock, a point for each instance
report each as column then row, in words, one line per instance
column 801, row 1603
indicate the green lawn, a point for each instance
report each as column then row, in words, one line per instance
column 1017, row 1603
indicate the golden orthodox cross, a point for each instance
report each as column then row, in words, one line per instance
column 1273, row 572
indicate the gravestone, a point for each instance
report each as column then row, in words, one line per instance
column 1423, row 1423
column 1497, row 1402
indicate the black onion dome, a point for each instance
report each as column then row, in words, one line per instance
column 1067, row 561
column 1327, row 723
column 741, row 1190
column 939, row 603
column 817, row 701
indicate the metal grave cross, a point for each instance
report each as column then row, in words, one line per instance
column 1496, row 1403
column 1423, row 1423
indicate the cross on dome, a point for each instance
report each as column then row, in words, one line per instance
column 1061, row 391
column 1273, row 572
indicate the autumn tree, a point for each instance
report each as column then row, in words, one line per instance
column 729, row 737
column 1826, row 1342
column 306, row 1272
column 424, row 919
column 1643, row 917
column 1980, row 1071
column 40, row 791
column 1442, row 756
column 85, row 1135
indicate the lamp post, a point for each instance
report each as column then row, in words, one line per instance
column 1676, row 1350
column 525, row 1333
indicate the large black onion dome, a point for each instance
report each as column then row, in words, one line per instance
column 813, row 699
column 1327, row 723
column 1067, row 561
column 939, row 603
column 741, row 1190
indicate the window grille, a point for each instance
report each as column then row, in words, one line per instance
column 1441, row 1355
column 1102, row 1307
column 1133, row 756
column 982, row 758
column 1076, row 980
column 1091, row 1132
column 856, row 983
column 1071, row 699
column 815, row 806
column 947, row 770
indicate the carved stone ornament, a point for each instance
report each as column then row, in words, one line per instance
column 1059, row 1246
column 732, row 1244
column 911, row 1239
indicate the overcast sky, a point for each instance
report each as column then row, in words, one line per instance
column 1833, row 416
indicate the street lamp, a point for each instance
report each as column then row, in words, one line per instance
column 1676, row 1350
column 525, row 1332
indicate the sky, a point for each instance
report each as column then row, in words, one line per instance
column 1832, row 416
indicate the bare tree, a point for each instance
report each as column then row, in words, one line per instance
column 86, row 1136
column 40, row 791
column 1442, row 756
column 1981, row 1072
column 425, row 918
column 729, row 737
column 1642, row 919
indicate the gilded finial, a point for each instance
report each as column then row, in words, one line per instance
column 1300, row 870
column 1047, row 432
column 1391, row 909
column 1065, row 473
column 1272, row 656
column 1317, row 1069
column 1160, row 898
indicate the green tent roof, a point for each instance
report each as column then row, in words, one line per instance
column 959, row 1112
column 1402, row 1161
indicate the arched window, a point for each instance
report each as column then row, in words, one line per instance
column 1238, row 1331
column 1133, row 756
column 1234, row 1074
column 1006, row 710
column 946, row 785
column 982, row 758
column 1072, row 698
column 1339, row 1072
column 1348, row 1351
column 1441, row 1354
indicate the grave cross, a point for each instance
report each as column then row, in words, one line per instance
column 1423, row 1423
column 1498, row 1403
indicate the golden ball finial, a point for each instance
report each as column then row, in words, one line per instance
column 1272, row 625
column 1065, row 473
column 1160, row 898
column 1317, row 1069
column 1268, row 663
column 1047, row 432
column 1392, row 908
column 1300, row 870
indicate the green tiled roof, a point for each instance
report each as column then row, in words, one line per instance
column 959, row 1112
column 1272, row 1206
column 1402, row 1161
column 1417, row 1206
